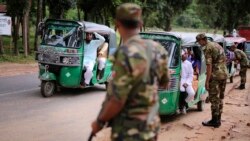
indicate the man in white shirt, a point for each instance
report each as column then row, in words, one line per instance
column 102, row 58
column 90, row 53
column 186, row 82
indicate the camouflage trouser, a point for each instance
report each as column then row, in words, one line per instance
column 131, row 138
column 243, row 74
column 216, row 95
column 132, row 130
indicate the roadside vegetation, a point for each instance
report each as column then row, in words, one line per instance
column 187, row 15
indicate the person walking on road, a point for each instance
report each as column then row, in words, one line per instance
column 216, row 77
column 242, row 59
column 140, row 66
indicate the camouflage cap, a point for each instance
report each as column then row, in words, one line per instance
column 129, row 11
column 201, row 36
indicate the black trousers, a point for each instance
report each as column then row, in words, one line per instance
column 182, row 102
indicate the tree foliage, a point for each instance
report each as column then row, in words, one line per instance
column 16, row 9
column 164, row 10
column 225, row 14
column 57, row 8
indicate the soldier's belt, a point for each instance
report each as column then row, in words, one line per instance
column 141, row 125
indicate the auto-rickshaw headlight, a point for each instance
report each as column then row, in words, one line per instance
column 66, row 60
column 40, row 57
column 74, row 60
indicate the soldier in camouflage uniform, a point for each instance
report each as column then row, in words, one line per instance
column 216, row 77
column 140, row 67
column 241, row 57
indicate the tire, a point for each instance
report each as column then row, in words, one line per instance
column 201, row 105
column 106, row 85
column 48, row 88
column 231, row 79
column 164, row 118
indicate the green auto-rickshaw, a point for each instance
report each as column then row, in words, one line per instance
column 247, row 51
column 61, row 58
column 174, row 42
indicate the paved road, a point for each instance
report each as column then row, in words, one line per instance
column 19, row 83
column 26, row 116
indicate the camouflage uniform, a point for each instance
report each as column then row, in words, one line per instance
column 242, row 57
column 215, row 56
column 137, row 66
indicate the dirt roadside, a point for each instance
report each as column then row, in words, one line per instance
column 12, row 69
column 235, row 118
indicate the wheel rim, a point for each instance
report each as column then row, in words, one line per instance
column 49, row 88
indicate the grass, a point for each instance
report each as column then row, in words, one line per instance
column 199, row 30
column 182, row 29
column 9, row 55
column 17, row 59
column 9, row 49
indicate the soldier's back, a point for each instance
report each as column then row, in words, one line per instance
column 133, row 61
column 243, row 57
column 215, row 56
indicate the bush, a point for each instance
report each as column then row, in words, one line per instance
column 17, row 59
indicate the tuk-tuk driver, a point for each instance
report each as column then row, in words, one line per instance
column 90, row 53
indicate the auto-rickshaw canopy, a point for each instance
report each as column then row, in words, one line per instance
column 189, row 38
column 102, row 29
column 235, row 39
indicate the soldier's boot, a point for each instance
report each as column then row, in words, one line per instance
column 241, row 87
column 214, row 122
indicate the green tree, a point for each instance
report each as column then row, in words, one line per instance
column 25, row 29
column 86, row 6
column 189, row 17
column 166, row 10
column 16, row 9
column 98, row 10
column 58, row 8
column 39, row 16
column 225, row 14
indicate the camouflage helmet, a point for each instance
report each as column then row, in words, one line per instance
column 201, row 36
column 129, row 11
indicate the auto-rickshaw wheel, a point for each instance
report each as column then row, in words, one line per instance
column 231, row 79
column 48, row 88
column 201, row 105
column 106, row 85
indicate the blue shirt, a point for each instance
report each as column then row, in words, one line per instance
column 90, row 49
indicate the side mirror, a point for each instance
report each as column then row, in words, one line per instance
column 41, row 27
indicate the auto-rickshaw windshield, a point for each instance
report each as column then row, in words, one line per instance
column 168, row 45
column 61, row 36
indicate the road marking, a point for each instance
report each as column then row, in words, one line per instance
column 20, row 91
